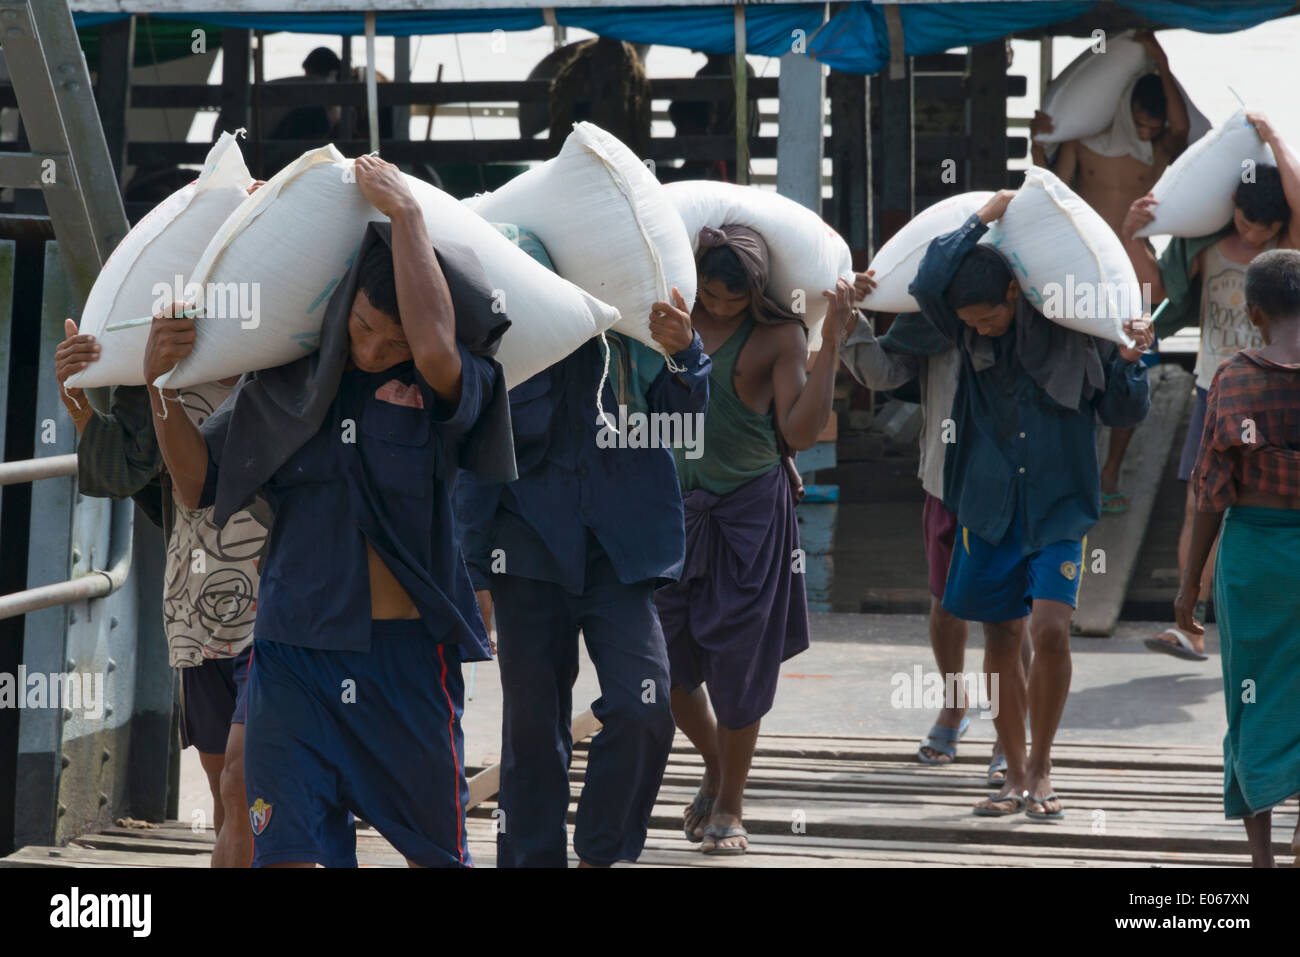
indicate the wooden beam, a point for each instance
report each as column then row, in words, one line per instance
column 113, row 85
column 799, row 139
column 487, row 782
column 988, row 116
column 235, row 93
column 848, row 152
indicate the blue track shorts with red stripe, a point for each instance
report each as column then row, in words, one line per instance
column 376, row 733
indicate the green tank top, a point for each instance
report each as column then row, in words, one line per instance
column 739, row 444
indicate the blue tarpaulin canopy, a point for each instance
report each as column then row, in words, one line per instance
column 856, row 40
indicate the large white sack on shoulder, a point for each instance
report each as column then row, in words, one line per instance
column 605, row 223
column 896, row 263
column 1069, row 263
column 806, row 256
column 1082, row 99
column 269, row 274
column 1194, row 196
column 160, row 251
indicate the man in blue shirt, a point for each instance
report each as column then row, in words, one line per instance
column 580, row 541
column 366, row 610
column 1022, row 478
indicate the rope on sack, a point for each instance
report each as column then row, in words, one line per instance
column 69, row 395
column 603, row 417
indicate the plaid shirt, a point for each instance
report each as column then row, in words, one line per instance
column 1252, row 432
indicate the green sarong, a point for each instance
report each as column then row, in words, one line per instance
column 1257, row 603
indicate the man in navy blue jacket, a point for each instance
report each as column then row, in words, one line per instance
column 1022, row 478
column 580, row 541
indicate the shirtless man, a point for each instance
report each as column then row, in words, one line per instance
column 1204, row 280
column 1109, row 170
column 1115, row 167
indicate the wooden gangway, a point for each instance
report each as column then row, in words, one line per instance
column 855, row 801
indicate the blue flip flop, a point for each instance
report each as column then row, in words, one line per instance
column 997, row 764
column 944, row 740
column 1018, row 799
column 1041, row 815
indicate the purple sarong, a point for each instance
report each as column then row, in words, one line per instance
column 740, row 608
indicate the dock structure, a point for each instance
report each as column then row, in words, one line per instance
column 846, row 801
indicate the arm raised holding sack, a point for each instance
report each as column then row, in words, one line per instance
column 423, row 299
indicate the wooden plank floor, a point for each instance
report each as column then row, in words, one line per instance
column 828, row 801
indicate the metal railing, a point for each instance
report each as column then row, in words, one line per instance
column 96, row 583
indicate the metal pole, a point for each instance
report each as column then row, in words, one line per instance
column 741, row 83
column 372, row 83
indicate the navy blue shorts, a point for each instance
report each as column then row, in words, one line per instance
column 212, row 699
column 376, row 733
column 994, row 583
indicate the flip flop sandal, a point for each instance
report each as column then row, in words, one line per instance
column 702, row 806
column 1182, row 650
column 994, row 812
column 1107, row 498
column 720, row 833
column 944, row 740
column 997, row 764
column 1044, row 815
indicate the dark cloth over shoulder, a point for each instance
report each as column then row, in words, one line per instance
column 274, row 412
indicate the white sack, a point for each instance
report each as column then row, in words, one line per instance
column 605, row 223
column 160, row 250
column 806, row 256
column 1083, row 97
column 896, row 263
column 1194, row 195
column 269, row 273
column 1070, row 264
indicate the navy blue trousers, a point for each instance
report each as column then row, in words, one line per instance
column 537, row 650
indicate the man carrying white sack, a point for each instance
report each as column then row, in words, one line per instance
column 1112, row 169
column 579, row 543
column 211, row 576
column 1022, row 479
column 740, row 608
column 1203, row 281
column 366, row 611
column 878, row 365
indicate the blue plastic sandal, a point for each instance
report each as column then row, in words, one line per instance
column 944, row 740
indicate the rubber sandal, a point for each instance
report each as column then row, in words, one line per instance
column 994, row 812
column 999, row 763
column 702, row 806
column 720, row 833
column 1107, row 498
column 1044, row 815
column 1182, row 650
column 944, row 740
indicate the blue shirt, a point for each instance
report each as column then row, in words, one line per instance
column 379, row 469
column 536, row 527
column 1016, row 448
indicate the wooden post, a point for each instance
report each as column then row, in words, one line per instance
column 988, row 116
column 348, row 116
column 896, row 166
column 235, row 90
column 113, row 87
column 799, row 138
column 1044, row 66
column 259, row 80
column 402, row 74
column 849, row 205
column 741, row 84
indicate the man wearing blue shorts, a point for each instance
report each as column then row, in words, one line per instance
column 366, row 611
column 1022, row 479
